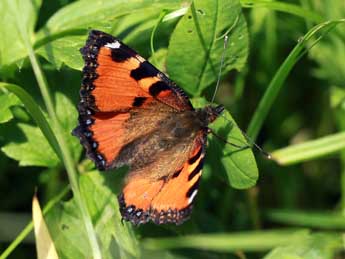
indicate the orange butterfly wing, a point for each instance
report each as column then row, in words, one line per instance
column 117, row 80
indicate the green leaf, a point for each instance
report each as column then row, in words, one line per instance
column 158, row 59
column 320, row 220
column 308, row 246
column 64, row 51
column 310, row 150
column 238, row 165
column 245, row 240
column 34, row 150
column 7, row 100
column 67, row 231
column 36, row 114
column 12, row 48
column 100, row 14
column 63, row 48
column 116, row 240
column 197, row 44
column 104, row 211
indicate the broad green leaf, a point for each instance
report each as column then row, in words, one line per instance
column 224, row 242
column 33, row 150
column 13, row 13
column 308, row 246
column 197, row 44
column 36, row 113
column 158, row 59
column 67, row 116
column 67, row 230
column 101, row 14
column 45, row 247
column 116, row 239
column 237, row 164
column 64, row 51
column 7, row 100
column 310, row 150
column 320, row 220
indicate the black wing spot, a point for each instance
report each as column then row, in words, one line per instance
column 194, row 187
column 158, row 87
column 139, row 101
column 144, row 70
column 194, row 158
column 119, row 55
column 196, row 170
column 177, row 173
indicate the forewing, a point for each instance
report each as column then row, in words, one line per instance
column 116, row 78
column 118, row 83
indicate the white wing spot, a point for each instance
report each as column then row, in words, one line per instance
column 113, row 45
column 192, row 196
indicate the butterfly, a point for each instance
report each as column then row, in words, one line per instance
column 131, row 114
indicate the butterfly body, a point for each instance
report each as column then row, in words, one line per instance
column 131, row 114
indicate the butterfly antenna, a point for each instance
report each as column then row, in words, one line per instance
column 251, row 143
column 226, row 39
column 227, row 142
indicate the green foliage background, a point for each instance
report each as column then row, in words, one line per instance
column 283, row 80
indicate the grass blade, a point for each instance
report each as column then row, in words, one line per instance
column 319, row 220
column 310, row 149
column 279, row 78
column 247, row 241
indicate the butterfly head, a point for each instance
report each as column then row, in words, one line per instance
column 212, row 112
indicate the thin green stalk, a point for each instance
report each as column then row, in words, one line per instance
column 29, row 227
column 160, row 19
column 279, row 78
column 66, row 154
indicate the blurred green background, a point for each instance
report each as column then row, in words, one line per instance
column 296, row 207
